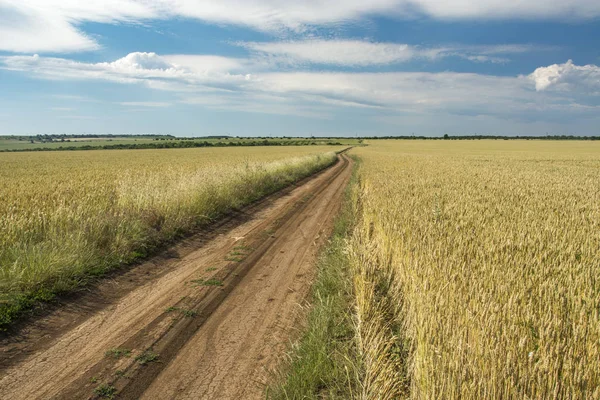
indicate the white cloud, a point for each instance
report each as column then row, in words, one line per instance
column 500, row 9
column 54, row 25
column 338, row 52
column 142, row 61
column 27, row 29
column 145, row 104
column 134, row 67
column 206, row 63
column 322, row 93
column 358, row 53
column 404, row 91
column 70, row 97
column 568, row 77
column 486, row 59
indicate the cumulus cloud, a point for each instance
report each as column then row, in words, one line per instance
column 137, row 67
column 54, row 25
column 142, row 61
column 132, row 68
column 567, row 77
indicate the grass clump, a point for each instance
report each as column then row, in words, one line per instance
column 105, row 391
column 208, row 282
column 118, row 353
column 183, row 311
column 324, row 362
column 146, row 357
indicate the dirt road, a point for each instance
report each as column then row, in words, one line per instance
column 207, row 319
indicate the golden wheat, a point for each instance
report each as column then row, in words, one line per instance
column 477, row 269
column 66, row 215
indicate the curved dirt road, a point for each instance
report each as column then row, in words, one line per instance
column 207, row 319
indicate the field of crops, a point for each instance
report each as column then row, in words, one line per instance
column 69, row 215
column 36, row 143
column 477, row 270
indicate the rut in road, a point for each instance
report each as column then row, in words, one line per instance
column 208, row 321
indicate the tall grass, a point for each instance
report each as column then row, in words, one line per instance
column 477, row 270
column 67, row 216
column 323, row 362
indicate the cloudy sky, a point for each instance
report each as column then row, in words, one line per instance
column 305, row 67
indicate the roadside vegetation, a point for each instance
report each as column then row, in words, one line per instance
column 323, row 361
column 66, row 217
column 477, row 270
column 110, row 142
column 472, row 271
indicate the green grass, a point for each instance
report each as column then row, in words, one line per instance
column 105, row 391
column 147, row 357
column 183, row 311
column 14, row 144
column 323, row 362
column 118, row 353
column 207, row 282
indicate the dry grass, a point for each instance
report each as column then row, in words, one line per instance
column 477, row 270
column 66, row 216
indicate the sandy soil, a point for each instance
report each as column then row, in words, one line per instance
column 215, row 312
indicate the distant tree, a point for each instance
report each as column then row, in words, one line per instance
column 446, row 136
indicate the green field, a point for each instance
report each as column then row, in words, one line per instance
column 14, row 143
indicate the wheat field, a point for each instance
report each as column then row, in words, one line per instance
column 66, row 216
column 476, row 270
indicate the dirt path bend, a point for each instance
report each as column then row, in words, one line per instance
column 206, row 320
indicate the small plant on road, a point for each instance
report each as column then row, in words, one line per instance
column 117, row 353
column 105, row 391
column 208, row 282
column 146, row 357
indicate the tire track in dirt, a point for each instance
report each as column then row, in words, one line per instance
column 217, row 316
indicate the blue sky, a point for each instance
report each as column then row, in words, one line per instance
column 317, row 67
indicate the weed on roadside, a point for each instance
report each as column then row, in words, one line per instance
column 207, row 282
column 146, row 357
column 117, row 353
column 238, row 253
column 185, row 312
column 105, row 391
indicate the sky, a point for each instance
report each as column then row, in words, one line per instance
column 300, row 68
